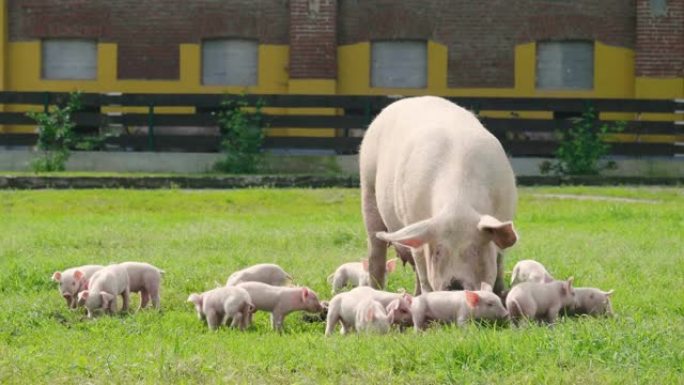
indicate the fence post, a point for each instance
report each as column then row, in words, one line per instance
column 150, row 128
column 46, row 102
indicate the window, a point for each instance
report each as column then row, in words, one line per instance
column 69, row 59
column 565, row 65
column 397, row 64
column 230, row 62
column 658, row 7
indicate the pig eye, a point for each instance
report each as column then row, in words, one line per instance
column 490, row 304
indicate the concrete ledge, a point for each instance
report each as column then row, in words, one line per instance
column 191, row 163
column 272, row 181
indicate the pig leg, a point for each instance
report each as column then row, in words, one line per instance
column 346, row 328
column 333, row 317
column 112, row 306
column 144, row 298
column 499, row 283
column 421, row 269
column 418, row 315
column 237, row 321
column 126, row 296
column 377, row 248
column 339, row 282
column 277, row 321
column 552, row 314
column 154, row 295
column 213, row 319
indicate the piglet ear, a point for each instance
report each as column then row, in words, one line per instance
column 503, row 233
column 56, row 276
column 569, row 281
column 370, row 314
column 364, row 263
column 609, row 292
column 82, row 296
column 408, row 298
column 78, row 274
column 391, row 265
column 484, row 286
column 195, row 298
column 305, row 294
column 472, row 299
column 548, row 278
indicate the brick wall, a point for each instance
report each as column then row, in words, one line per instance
column 481, row 35
column 313, row 39
column 148, row 32
column 660, row 40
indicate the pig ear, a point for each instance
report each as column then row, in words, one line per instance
column 408, row 298
column 56, row 276
column 82, row 296
column 305, row 294
column 364, row 263
column 414, row 235
column 608, row 293
column 78, row 274
column 370, row 314
column 548, row 278
column 472, row 299
column 391, row 265
column 569, row 281
column 484, row 286
column 195, row 298
column 503, row 234
column 106, row 299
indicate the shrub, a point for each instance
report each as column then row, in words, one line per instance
column 241, row 136
column 582, row 146
column 56, row 134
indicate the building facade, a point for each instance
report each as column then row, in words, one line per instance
column 579, row 48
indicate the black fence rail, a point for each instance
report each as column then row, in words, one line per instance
column 347, row 115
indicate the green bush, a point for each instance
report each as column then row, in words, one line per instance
column 241, row 136
column 582, row 146
column 56, row 135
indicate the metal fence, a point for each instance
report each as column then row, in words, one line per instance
column 346, row 115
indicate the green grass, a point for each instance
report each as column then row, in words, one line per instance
column 200, row 237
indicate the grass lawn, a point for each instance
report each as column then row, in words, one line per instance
column 200, row 237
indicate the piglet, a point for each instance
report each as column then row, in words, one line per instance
column 540, row 301
column 355, row 274
column 457, row 306
column 103, row 288
column 219, row 305
column 343, row 308
column 590, row 301
column 73, row 281
column 371, row 317
column 281, row 301
column 268, row 273
column 145, row 279
column 529, row 270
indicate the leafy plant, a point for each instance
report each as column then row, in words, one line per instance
column 582, row 146
column 241, row 136
column 56, row 134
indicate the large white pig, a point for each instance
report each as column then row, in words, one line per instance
column 435, row 180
